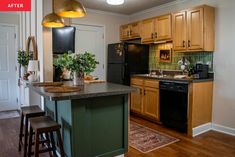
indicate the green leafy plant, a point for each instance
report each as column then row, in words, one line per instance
column 22, row 58
column 79, row 62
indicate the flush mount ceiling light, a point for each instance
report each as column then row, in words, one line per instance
column 71, row 9
column 115, row 2
column 52, row 20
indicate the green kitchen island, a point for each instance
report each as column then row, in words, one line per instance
column 94, row 120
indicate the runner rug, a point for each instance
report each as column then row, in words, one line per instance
column 145, row 139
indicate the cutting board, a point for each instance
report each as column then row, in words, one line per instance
column 62, row 89
column 94, row 81
column 45, row 84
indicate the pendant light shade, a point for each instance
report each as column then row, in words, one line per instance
column 52, row 20
column 71, row 9
column 115, row 2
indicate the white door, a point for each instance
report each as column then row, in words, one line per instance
column 7, row 68
column 91, row 39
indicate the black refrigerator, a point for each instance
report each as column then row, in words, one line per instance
column 125, row 59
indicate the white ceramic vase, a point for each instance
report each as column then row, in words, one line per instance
column 78, row 78
column 22, row 71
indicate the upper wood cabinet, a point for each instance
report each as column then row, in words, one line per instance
column 163, row 27
column 156, row 29
column 193, row 30
column 130, row 31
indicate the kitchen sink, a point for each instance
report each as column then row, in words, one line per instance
column 165, row 76
column 156, row 76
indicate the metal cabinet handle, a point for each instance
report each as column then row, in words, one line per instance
column 183, row 43
column 152, row 35
column 189, row 44
column 155, row 34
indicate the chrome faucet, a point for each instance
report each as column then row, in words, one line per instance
column 161, row 72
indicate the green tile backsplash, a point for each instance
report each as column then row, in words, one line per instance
column 192, row 57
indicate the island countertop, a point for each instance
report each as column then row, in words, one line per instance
column 86, row 91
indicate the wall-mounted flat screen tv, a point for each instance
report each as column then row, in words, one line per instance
column 63, row 39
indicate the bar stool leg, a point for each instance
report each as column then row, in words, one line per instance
column 47, row 143
column 60, row 143
column 36, row 150
column 21, row 131
column 30, row 141
column 25, row 136
column 53, row 143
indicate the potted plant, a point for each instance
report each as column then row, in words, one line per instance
column 23, row 61
column 78, row 63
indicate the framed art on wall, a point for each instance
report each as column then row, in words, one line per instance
column 165, row 55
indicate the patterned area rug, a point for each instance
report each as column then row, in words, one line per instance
column 9, row 114
column 145, row 139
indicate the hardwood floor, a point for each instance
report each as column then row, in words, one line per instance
column 9, row 136
column 210, row 144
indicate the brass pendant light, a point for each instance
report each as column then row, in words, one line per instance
column 71, row 9
column 52, row 20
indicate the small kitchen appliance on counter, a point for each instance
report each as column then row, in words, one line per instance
column 202, row 70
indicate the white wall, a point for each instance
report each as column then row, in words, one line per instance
column 224, row 55
column 110, row 21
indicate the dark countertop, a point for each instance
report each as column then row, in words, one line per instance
column 171, row 78
column 87, row 91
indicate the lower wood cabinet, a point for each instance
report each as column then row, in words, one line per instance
column 145, row 101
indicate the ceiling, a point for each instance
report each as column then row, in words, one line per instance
column 129, row 6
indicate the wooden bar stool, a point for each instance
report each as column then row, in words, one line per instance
column 26, row 113
column 44, row 125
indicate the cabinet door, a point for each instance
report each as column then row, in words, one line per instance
column 147, row 31
column 124, row 32
column 136, row 99
column 163, row 27
column 151, row 102
column 179, row 31
column 195, row 29
column 134, row 30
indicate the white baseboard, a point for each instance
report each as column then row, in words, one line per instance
column 223, row 129
column 201, row 129
column 212, row 126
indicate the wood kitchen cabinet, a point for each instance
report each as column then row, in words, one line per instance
column 130, row 31
column 145, row 102
column 156, row 29
column 193, row 29
column 200, row 105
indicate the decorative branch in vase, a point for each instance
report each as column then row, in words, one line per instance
column 78, row 63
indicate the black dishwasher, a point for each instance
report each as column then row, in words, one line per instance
column 174, row 104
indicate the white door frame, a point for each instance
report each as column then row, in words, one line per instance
column 105, row 49
column 16, row 64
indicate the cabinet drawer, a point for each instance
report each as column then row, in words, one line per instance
column 151, row 83
column 137, row 81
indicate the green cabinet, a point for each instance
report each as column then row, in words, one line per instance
column 91, row 127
